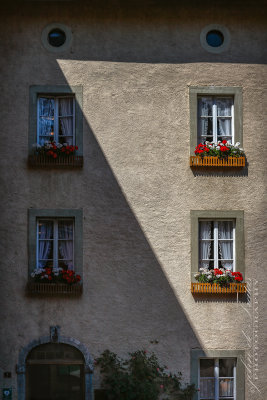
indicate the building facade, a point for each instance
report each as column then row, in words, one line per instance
column 134, row 85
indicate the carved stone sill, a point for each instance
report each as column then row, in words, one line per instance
column 196, row 161
column 51, row 289
column 208, row 288
column 40, row 161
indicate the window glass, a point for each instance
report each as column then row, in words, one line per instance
column 214, row 119
column 56, row 37
column 217, row 385
column 56, row 120
column 65, row 115
column 216, row 244
column 207, row 367
column 207, row 380
column 49, row 376
column 226, row 367
column 214, row 38
column 56, row 243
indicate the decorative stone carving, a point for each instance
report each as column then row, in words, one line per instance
column 55, row 334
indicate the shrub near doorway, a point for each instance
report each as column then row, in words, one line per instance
column 140, row 377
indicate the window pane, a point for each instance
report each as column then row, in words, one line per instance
column 206, row 250
column 65, row 106
column 207, row 387
column 46, row 107
column 206, row 229
column 45, row 244
column 226, row 387
column 45, row 229
column 46, row 127
column 226, row 264
column 65, row 244
column 224, row 107
column 45, row 251
column 225, row 229
column 205, row 106
column 224, row 128
column 66, row 130
column 205, row 129
column 225, row 250
column 207, row 367
column 65, row 230
column 226, row 367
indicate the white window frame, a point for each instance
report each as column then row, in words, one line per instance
column 216, row 379
column 216, row 241
column 214, row 117
column 55, row 238
column 56, row 117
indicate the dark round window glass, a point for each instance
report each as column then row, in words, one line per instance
column 214, row 38
column 56, row 37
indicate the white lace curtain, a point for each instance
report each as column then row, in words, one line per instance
column 46, row 119
column 65, row 235
column 222, row 242
column 63, row 240
column 205, row 245
column 66, row 118
column 45, row 233
column 225, row 243
column 206, row 114
column 60, row 124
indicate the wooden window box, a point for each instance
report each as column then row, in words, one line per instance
column 208, row 288
column 196, row 161
column 52, row 289
column 37, row 161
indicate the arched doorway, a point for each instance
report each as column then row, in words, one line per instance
column 55, row 371
column 73, row 366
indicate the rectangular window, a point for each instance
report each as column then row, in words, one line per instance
column 56, row 119
column 216, row 114
column 217, row 240
column 55, row 114
column 216, row 244
column 217, row 378
column 55, row 247
column 215, row 119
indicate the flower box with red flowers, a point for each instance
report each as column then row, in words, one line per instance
column 218, row 280
column 218, row 154
column 53, row 154
column 54, row 281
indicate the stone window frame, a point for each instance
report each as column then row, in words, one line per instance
column 62, row 27
column 196, row 354
column 76, row 214
column 56, row 90
column 234, row 91
column 238, row 216
column 215, row 27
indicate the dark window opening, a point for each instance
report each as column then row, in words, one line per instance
column 56, row 37
column 214, row 38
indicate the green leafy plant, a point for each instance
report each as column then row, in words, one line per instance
column 140, row 377
column 219, row 149
column 218, row 275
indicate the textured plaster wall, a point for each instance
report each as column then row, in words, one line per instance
column 136, row 188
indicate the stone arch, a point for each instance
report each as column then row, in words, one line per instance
column 55, row 337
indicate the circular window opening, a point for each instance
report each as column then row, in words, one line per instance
column 214, row 38
column 56, row 37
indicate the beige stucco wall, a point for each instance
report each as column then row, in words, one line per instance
column 136, row 188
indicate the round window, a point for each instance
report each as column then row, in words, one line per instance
column 215, row 38
column 56, row 37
